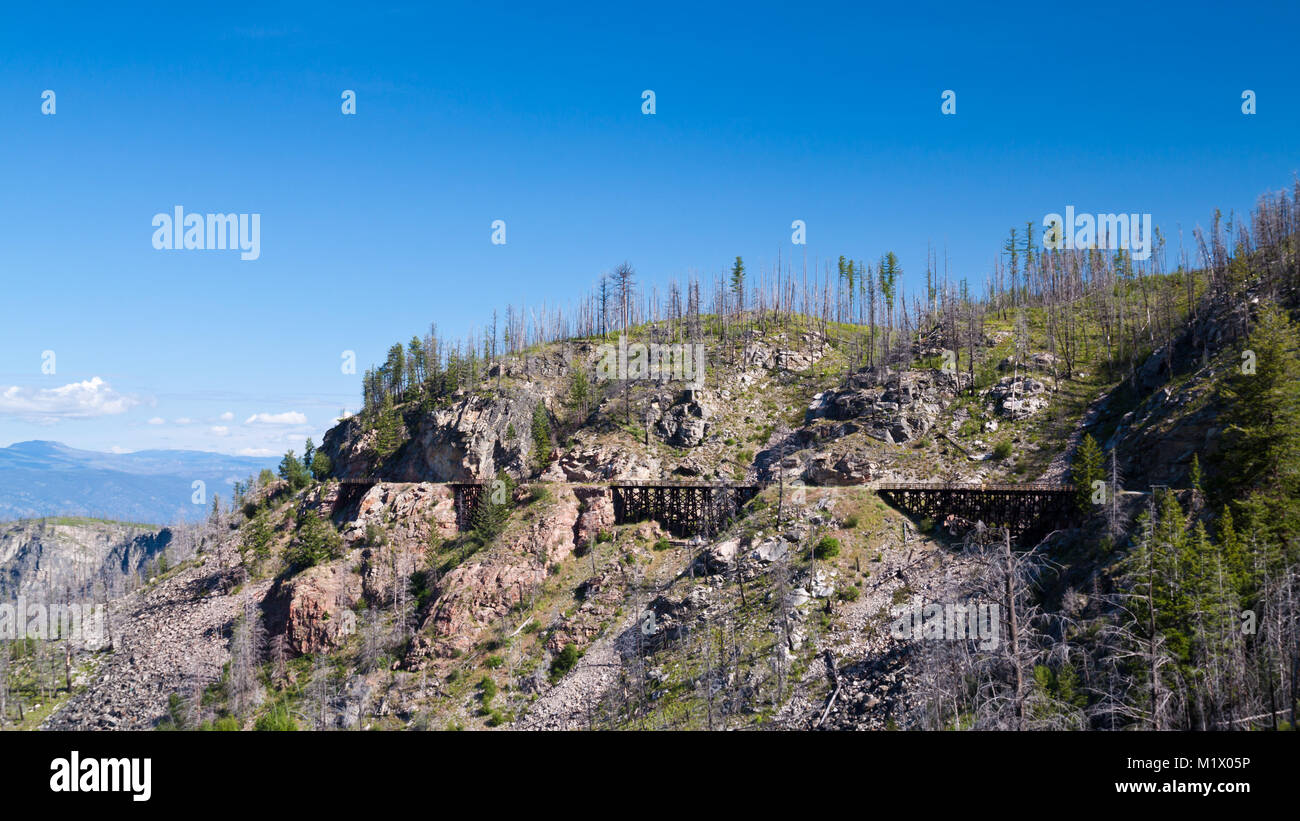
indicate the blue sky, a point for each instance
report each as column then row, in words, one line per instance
column 374, row 225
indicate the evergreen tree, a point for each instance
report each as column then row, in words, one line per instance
column 493, row 511
column 541, row 435
column 292, row 471
column 738, row 283
column 315, row 541
column 1263, row 407
column 579, row 390
column 1086, row 469
column 1262, row 425
column 256, row 544
column 321, row 466
column 388, row 431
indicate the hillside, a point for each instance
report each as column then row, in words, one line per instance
column 322, row 603
column 73, row 556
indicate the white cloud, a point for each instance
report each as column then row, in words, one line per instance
column 119, row 449
column 227, row 416
column 286, row 418
column 76, row 400
column 184, row 420
column 221, row 430
column 157, row 420
column 256, row 452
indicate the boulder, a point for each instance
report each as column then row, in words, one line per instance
column 720, row 556
column 1018, row 397
column 771, row 550
column 686, row 423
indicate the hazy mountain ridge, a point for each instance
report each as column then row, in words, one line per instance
column 44, row 478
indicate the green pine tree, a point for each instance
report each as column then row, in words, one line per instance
column 1087, row 468
column 293, row 471
column 738, row 283
column 541, row 435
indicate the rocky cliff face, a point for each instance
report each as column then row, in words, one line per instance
column 46, row 556
column 476, row 594
column 313, row 610
column 470, row 441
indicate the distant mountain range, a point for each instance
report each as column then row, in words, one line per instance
column 41, row 478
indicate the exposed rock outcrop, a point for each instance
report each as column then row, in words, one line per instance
column 475, row 595
column 901, row 409
column 470, row 441
column 685, row 424
column 595, row 513
column 1018, row 397
column 760, row 354
column 600, row 463
column 313, row 609
column 849, row 468
column 44, row 555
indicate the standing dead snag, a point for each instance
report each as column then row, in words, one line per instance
column 1014, row 627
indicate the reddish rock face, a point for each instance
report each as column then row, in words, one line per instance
column 473, row 597
column 597, row 514
column 412, row 514
column 314, row 608
column 476, row 596
column 413, row 518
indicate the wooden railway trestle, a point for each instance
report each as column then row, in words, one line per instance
column 1028, row 510
column 467, row 496
column 704, row 508
column 683, row 508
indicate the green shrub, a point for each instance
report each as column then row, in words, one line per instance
column 604, row 536
column 494, row 662
column 499, row 717
column 851, row 522
column 663, row 544
column 1002, row 450
column 276, row 721
column 848, row 594
column 538, row 493
column 487, row 689
column 927, row 525
column 564, row 661
column 827, row 548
